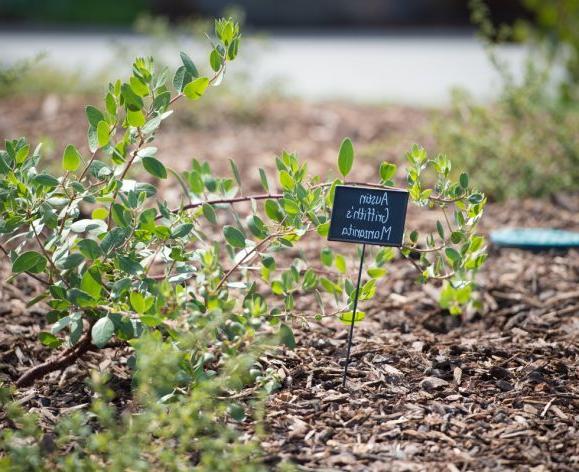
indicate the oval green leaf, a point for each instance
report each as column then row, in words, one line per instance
column 102, row 331
column 194, row 90
column 346, row 157
column 71, row 158
column 154, row 167
column 30, row 261
column 234, row 237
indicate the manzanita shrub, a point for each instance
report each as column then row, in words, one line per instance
column 116, row 261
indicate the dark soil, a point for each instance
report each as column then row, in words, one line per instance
column 496, row 389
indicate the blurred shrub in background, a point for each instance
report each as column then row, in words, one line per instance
column 556, row 24
column 525, row 144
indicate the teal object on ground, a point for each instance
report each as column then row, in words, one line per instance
column 535, row 238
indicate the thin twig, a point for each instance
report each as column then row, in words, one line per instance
column 244, row 258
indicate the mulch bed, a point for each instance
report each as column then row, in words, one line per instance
column 494, row 389
column 428, row 390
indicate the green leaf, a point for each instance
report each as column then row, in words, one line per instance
column 49, row 339
column 196, row 182
column 71, row 158
column 346, row 157
column 120, row 215
column 89, row 249
column 346, row 317
column 99, row 214
column 128, row 265
column 323, row 229
column 182, row 230
column 139, row 87
column 452, row 254
column 456, row 236
column 189, row 65
column 215, row 60
column 287, row 182
column 233, row 49
column 103, row 134
column 91, row 285
column 94, row 115
column 80, row 298
column 135, row 118
column 236, row 411
column 137, row 302
column 376, row 272
column 263, row 179
column 154, row 167
column 340, row 262
column 72, row 261
column 30, row 261
column 152, row 124
column 194, row 90
column 387, row 171
column 22, row 154
column 234, row 237
column 440, row 230
column 46, row 180
column 209, row 213
column 463, row 180
column 182, row 78
column 114, row 239
column 290, row 206
column 235, row 171
column 132, row 100
column 475, row 198
column 256, row 226
column 102, row 331
column 286, row 336
column 273, row 210
column 327, row 256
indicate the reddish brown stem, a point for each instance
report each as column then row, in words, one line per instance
column 51, row 365
column 66, row 359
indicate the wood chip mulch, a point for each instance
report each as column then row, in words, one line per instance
column 497, row 389
column 429, row 391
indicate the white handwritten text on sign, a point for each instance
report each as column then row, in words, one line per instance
column 368, row 215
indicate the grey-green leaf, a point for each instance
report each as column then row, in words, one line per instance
column 154, row 167
column 102, row 331
column 234, row 236
column 286, row 336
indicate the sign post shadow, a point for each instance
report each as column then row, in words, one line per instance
column 366, row 215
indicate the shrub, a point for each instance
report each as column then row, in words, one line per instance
column 115, row 266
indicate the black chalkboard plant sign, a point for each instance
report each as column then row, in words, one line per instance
column 375, row 215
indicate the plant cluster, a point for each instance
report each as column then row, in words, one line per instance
column 172, row 429
column 117, row 263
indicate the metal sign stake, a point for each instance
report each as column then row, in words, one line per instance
column 353, row 316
